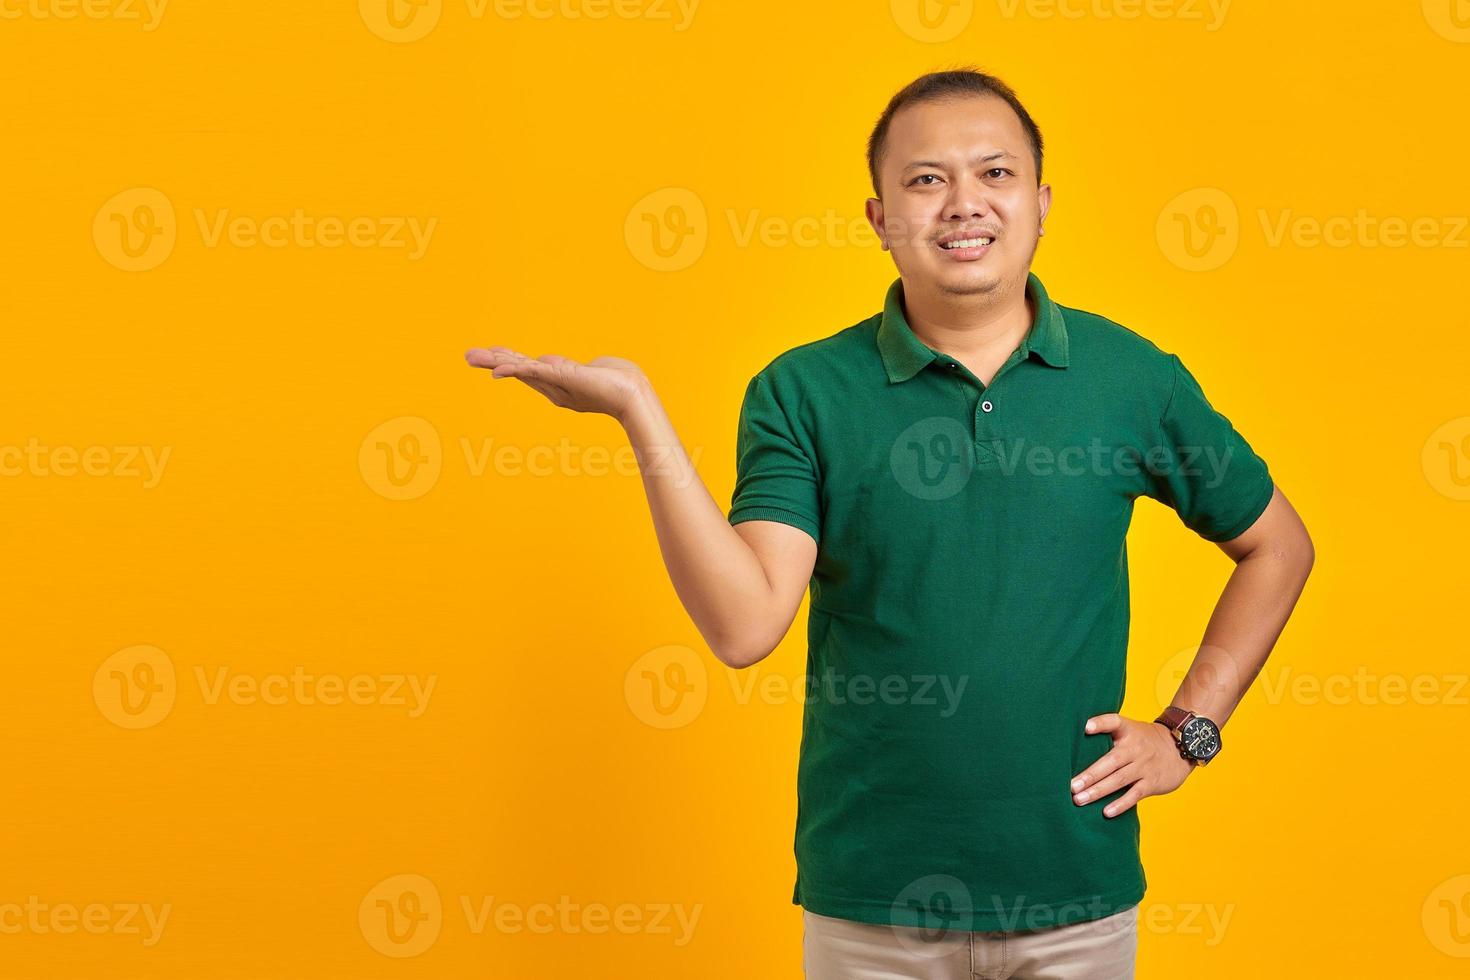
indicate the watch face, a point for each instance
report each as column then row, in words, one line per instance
column 1200, row 738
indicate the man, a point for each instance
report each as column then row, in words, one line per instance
column 953, row 479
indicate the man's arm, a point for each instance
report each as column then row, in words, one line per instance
column 741, row 584
column 1272, row 561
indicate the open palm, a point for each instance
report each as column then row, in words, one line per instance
column 605, row 384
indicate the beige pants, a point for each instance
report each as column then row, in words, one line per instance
column 841, row 949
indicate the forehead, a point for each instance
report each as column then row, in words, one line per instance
column 953, row 126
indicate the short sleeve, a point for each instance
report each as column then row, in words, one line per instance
column 775, row 473
column 1202, row 467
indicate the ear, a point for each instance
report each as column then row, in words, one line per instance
column 874, row 210
column 1043, row 204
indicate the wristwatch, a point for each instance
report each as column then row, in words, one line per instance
column 1198, row 737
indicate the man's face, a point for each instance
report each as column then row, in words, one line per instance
column 959, row 169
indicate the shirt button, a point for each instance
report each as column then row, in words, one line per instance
column 953, row 366
column 985, row 406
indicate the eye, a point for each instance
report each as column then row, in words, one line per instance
column 921, row 177
column 997, row 171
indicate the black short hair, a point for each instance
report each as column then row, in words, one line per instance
column 940, row 85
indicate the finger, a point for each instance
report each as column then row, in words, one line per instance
column 482, row 357
column 1110, row 783
column 490, row 356
column 1123, row 802
column 523, row 369
column 562, row 368
column 1104, row 723
column 1114, row 760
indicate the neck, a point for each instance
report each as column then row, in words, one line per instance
column 973, row 326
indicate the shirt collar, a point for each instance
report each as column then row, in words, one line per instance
column 905, row 355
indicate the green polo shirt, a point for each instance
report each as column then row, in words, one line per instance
column 969, row 603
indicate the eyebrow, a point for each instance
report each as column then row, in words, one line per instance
column 997, row 155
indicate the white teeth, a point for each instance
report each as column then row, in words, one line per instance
column 968, row 243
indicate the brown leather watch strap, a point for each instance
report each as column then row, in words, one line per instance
column 1174, row 717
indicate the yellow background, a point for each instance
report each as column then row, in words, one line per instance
column 1330, row 836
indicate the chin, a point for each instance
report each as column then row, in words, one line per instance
column 966, row 282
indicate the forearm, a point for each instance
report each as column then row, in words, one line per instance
column 1248, row 618
column 717, row 576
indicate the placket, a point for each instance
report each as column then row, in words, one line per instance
column 988, row 411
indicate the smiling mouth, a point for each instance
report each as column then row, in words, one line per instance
column 966, row 243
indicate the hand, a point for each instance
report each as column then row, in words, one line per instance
column 1144, row 754
column 610, row 385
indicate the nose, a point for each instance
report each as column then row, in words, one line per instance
column 967, row 198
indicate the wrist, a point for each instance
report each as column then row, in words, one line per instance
column 1190, row 764
column 640, row 407
column 1195, row 737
